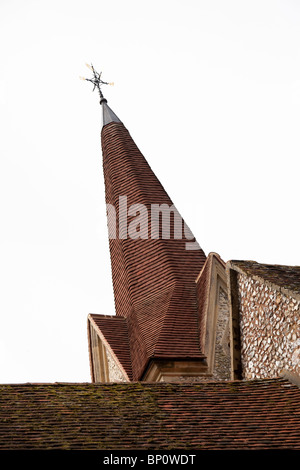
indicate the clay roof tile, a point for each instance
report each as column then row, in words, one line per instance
column 258, row 414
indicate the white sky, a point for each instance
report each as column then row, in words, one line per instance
column 210, row 92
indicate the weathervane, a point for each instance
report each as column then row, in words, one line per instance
column 96, row 80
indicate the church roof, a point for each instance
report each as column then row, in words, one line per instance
column 286, row 278
column 114, row 330
column 153, row 277
column 240, row 415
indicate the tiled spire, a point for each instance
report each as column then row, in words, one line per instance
column 153, row 278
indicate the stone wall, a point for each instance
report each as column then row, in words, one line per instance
column 270, row 329
column 114, row 372
column 222, row 363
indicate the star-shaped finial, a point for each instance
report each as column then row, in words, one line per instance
column 96, row 80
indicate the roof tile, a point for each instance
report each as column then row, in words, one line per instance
column 286, row 277
column 258, row 414
column 153, row 279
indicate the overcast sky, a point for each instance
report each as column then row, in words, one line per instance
column 210, row 92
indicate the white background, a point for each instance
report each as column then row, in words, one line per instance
column 210, row 92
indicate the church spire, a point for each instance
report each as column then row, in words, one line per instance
column 155, row 262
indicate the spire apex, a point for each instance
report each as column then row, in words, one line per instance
column 108, row 114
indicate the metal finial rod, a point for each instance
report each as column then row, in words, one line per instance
column 96, row 80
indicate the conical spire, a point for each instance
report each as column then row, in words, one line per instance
column 153, row 278
column 153, row 272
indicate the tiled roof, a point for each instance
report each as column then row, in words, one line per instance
column 259, row 414
column 153, row 279
column 285, row 277
column 115, row 332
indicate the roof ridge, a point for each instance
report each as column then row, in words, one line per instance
column 281, row 379
column 284, row 279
